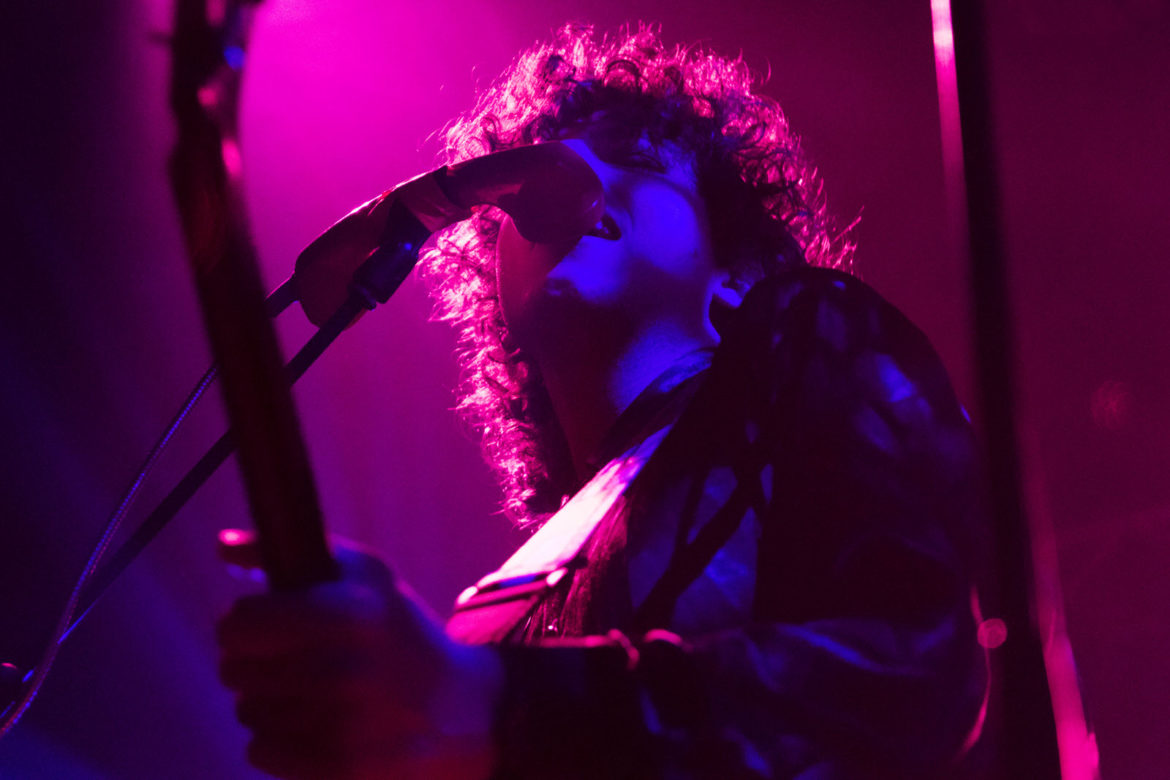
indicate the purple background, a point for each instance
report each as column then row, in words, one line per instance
column 100, row 336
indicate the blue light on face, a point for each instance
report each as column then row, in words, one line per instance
column 663, row 249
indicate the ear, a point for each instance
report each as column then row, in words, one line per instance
column 726, row 296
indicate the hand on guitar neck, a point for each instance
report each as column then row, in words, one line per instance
column 355, row 678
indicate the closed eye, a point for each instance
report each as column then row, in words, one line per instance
column 642, row 161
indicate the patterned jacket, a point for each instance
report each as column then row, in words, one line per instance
column 786, row 588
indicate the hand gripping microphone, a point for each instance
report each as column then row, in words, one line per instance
column 549, row 191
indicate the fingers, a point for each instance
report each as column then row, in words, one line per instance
column 292, row 716
column 290, row 760
column 319, row 716
column 346, row 678
column 343, row 725
column 339, row 615
column 310, row 737
column 313, row 759
column 321, row 645
column 320, row 674
column 369, row 757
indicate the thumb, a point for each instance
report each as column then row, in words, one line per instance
column 239, row 548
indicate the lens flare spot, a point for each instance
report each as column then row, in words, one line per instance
column 992, row 633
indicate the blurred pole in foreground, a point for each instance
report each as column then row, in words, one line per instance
column 1037, row 717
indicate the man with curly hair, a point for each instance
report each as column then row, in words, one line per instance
column 753, row 483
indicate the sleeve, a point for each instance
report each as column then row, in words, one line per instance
column 859, row 659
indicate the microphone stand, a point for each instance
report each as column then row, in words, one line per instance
column 374, row 282
column 359, row 262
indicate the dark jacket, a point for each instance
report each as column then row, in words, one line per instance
column 807, row 533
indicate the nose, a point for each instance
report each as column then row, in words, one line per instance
column 607, row 227
column 582, row 149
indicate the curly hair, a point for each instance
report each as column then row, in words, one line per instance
column 764, row 199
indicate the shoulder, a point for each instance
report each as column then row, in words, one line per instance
column 820, row 355
column 830, row 323
column 833, row 310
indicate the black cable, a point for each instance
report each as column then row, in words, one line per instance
column 211, row 460
column 35, row 678
column 374, row 282
column 93, row 582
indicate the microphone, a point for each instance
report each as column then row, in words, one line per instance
column 551, row 193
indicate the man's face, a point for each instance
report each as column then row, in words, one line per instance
column 652, row 267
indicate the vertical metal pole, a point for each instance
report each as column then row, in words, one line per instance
column 1023, row 727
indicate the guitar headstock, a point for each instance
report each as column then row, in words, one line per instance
column 208, row 49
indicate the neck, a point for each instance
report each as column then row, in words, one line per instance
column 590, row 391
